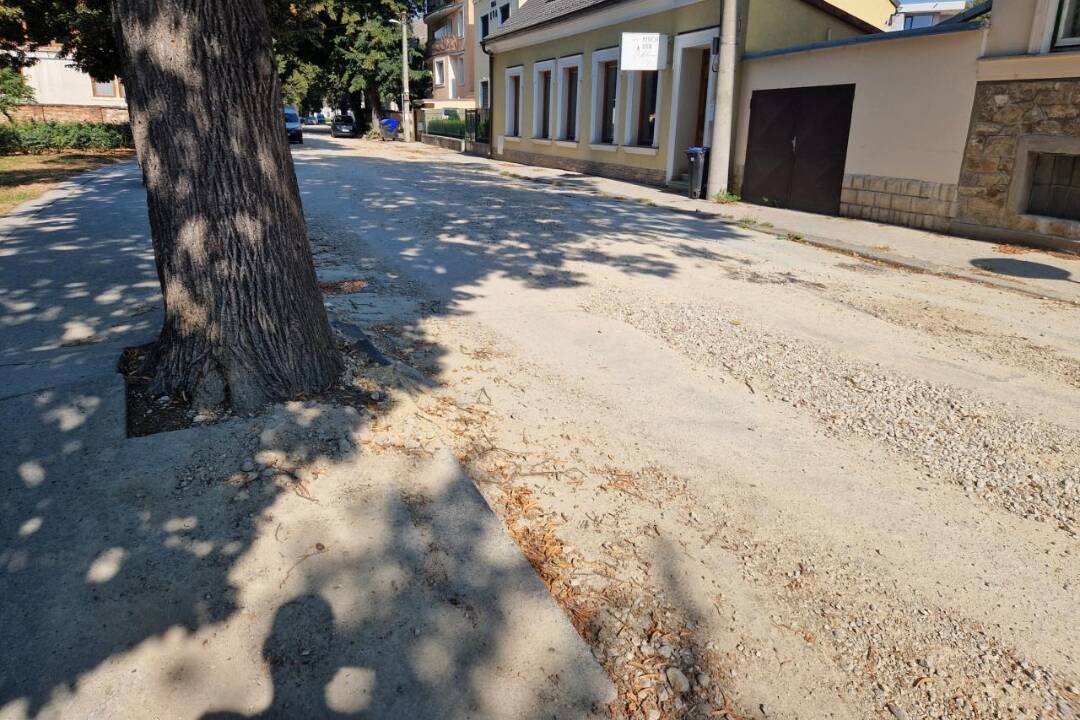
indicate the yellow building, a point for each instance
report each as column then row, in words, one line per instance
column 622, row 88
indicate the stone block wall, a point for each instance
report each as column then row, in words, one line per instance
column 899, row 201
column 442, row 141
column 69, row 113
column 587, row 167
column 1005, row 115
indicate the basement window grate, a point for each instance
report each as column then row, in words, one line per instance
column 1055, row 186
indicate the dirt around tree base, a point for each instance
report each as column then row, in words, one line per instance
column 144, row 413
column 147, row 414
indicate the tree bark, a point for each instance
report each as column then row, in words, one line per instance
column 374, row 103
column 244, row 319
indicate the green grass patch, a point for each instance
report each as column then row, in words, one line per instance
column 25, row 177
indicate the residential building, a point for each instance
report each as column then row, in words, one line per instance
column 451, row 50
column 622, row 88
column 971, row 126
column 915, row 15
column 62, row 92
column 491, row 16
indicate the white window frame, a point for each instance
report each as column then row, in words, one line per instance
column 543, row 66
column 438, row 69
column 517, row 71
column 633, row 79
column 453, row 81
column 598, row 59
column 564, row 64
column 1064, row 7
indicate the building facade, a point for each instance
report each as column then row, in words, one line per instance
column 64, row 93
column 622, row 89
column 970, row 126
column 1020, row 177
column 491, row 16
column 451, row 53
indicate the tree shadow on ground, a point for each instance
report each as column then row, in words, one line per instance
column 1023, row 269
column 145, row 554
column 454, row 225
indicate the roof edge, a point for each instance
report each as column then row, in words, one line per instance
column 822, row 5
column 939, row 29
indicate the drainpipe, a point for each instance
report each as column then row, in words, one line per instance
column 491, row 98
column 724, row 105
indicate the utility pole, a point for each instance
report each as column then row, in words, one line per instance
column 724, row 106
column 406, row 108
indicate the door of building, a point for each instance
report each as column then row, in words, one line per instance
column 702, row 96
column 797, row 147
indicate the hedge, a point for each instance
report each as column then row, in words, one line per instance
column 450, row 127
column 43, row 137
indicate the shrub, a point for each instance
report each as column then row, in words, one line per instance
column 42, row 137
column 9, row 139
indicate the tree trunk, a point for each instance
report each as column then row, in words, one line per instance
column 244, row 318
column 374, row 103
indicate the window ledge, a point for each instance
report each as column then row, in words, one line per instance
column 512, row 138
column 541, row 141
column 606, row 147
column 567, row 143
column 635, row 150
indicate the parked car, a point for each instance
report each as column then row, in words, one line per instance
column 343, row 126
column 293, row 128
column 320, row 118
column 308, row 120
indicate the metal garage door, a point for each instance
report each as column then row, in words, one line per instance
column 797, row 147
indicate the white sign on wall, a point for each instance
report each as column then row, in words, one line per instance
column 643, row 51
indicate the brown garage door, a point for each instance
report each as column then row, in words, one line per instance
column 797, row 146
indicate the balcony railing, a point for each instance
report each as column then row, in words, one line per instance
column 445, row 45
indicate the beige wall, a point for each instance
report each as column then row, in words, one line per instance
column 55, row 82
column 770, row 24
column 875, row 12
column 912, row 104
column 692, row 17
column 1011, row 28
column 783, row 23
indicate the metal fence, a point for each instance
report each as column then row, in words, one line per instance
column 470, row 125
column 478, row 125
column 447, row 122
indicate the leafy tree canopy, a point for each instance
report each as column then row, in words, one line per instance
column 334, row 47
column 13, row 91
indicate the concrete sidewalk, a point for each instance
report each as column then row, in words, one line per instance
column 295, row 564
column 1033, row 272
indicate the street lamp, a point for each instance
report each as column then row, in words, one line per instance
column 406, row 109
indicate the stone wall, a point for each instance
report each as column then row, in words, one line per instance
column 899, row 201
column 449, row 143
column 69, row 113
column 587, row 167
column 1005, row 117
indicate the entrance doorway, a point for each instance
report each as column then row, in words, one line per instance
column 797, row 147
column 692, row 99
